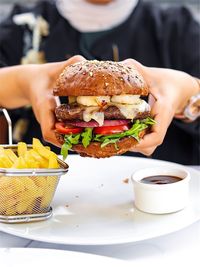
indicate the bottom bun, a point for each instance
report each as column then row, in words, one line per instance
column 96, row 151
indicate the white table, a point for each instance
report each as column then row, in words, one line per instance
column 182, row 247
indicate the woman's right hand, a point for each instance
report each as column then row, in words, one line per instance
column 41, row 96
column 33, row 85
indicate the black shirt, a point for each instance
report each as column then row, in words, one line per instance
column 167, row 38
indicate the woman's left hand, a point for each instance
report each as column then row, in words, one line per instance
column 169, row 91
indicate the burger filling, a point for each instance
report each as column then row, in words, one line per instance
column 103, row 119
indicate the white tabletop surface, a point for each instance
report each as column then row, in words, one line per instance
column 182, row 246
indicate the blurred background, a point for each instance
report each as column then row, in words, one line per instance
column 194, row 5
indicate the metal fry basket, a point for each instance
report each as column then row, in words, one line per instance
column 26, row 194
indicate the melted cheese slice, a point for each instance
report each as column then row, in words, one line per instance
column 90, row 101
column 99, row 117
column 125, row 99
column 92, row 113
column 129, row 106
column 130, row 111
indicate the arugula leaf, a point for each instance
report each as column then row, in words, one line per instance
column 110, row 141
column 70, row 140
column 134, row 131
column 86, row 136
column 149, row 121
column 64, row 150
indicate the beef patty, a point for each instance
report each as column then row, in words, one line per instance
column 75, row 112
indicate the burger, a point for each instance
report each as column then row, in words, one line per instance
column 105, row 113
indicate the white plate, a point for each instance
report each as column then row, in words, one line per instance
column 93, row 206
column 26, row 257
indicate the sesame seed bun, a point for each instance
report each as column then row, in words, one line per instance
column 100, row 78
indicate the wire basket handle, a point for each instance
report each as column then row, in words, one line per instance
column 8, row 119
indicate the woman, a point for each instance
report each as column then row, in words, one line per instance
column 116, row 30
column 171, row 89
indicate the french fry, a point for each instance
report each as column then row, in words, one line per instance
column 53, row 162
column 46, row 199
column 2, row 208
column 22, row 148
column 18, row 185
column 4, row 182
column 25, row 201
column 10, row 202
column 31, row 162
column 6, row 193
column 11, row 155
column 10, row 187
column 2, row 165
column 30, row 208
column 20, row 164
column 10, row 211
column 29, row 183
column 43, row 163
column 44, row 152
column 35, row 155
column 5, row 161
column 40, row 181
column 49, row 191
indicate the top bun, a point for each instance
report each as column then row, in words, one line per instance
column 100, row 78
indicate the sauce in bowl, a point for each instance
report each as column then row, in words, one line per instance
column 160, row 179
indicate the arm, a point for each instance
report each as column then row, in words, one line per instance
column 13, row 83
column 10, row 54
column 33, row 84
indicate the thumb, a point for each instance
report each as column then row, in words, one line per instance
column 135, row 64
column 56, row 68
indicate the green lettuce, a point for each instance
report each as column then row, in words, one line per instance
column 70, row 140
column 137, row 127
column 87, row 136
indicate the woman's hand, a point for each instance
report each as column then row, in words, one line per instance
column 41, row 95
column 170, row 91
column 33, row 85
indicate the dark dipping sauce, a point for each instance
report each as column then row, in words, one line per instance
column 160, row 179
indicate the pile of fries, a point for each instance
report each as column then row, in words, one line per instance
column 38, row 157
column 27, row 194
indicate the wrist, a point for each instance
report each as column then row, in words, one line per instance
column 190, row 111
column 188, row 88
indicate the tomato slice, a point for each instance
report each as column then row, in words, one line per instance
column 105, row 130
column 63, row 128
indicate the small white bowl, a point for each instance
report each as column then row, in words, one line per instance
column 161, row 198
